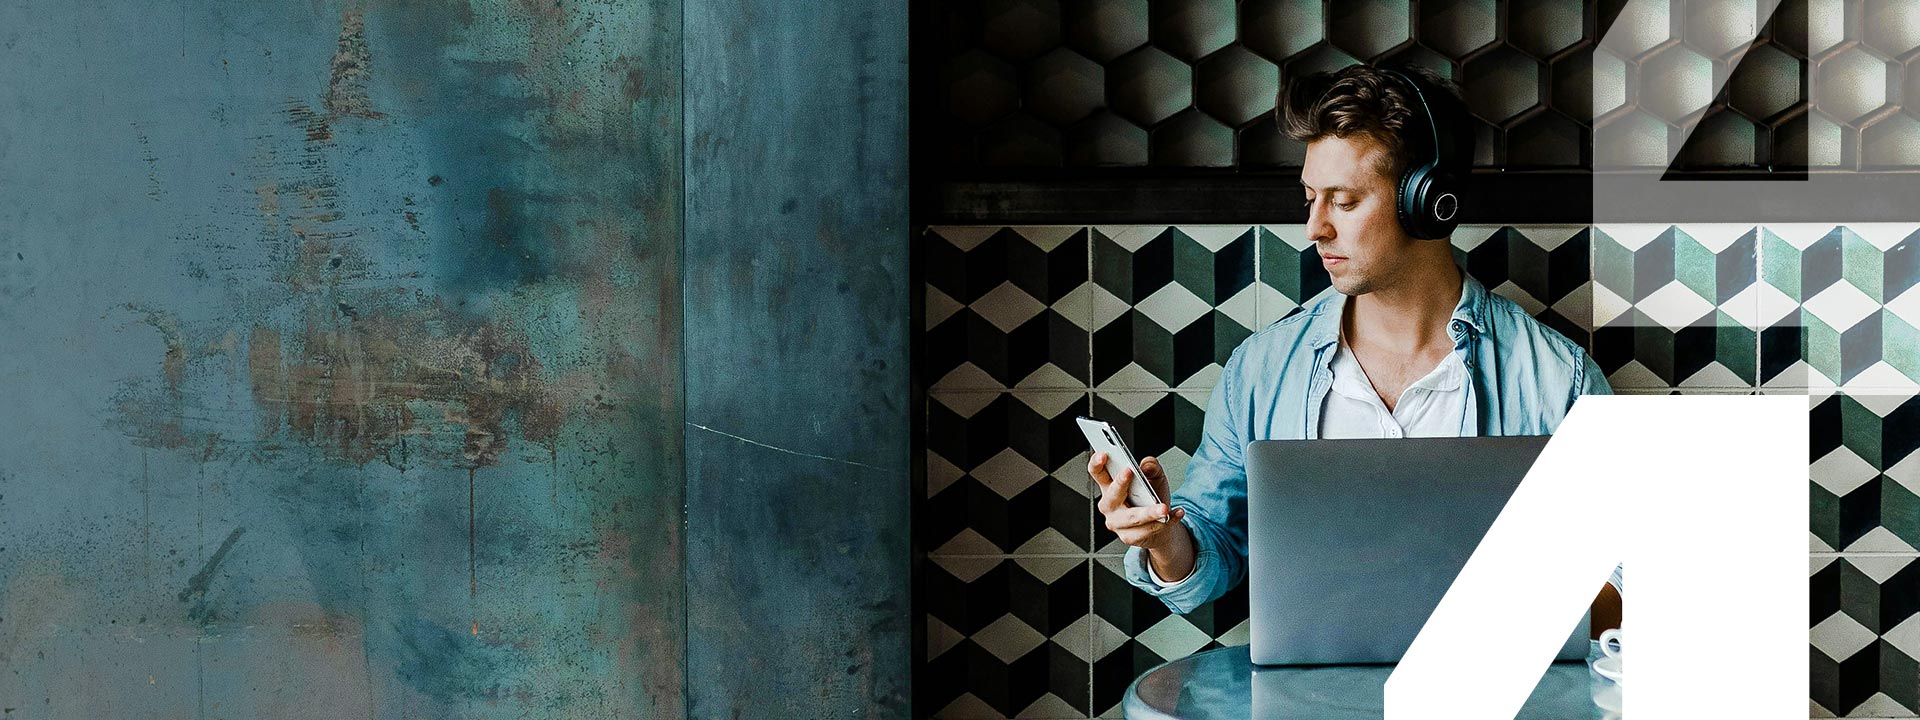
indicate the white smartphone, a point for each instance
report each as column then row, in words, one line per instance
column 1101, row 435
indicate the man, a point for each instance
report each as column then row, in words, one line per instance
column 1408, row 346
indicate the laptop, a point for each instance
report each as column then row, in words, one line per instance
column 1352, row 543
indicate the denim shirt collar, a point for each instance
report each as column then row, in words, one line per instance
column 1469, row 313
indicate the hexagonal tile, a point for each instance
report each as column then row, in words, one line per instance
column 1810, row 27
column 1279, row 29
column 1020, row 140
column 1417, row 55
column 1192, row 140
column 1502, row 84
column 1191, row 29
column 1148, row 86
column 1766, row 82
column 1675, row 82
column 1641, row 26
column 980, row 87
column 1808, row 140
column 1020, row 29
column 1548, row 139
column 1635, row 139
column 1891, row 26
column 1544, row 27
column 1106, row 139
column 1368, row 28
column 1063, row 87
column 1892, row 142
column 1236, row 85
column 1718, row 27
column 1850, row 84
column 1584, row 94
column 1106, row 29
column 1457, row 27
column 1323, row 58
column 1721, row 139
column 1263, row 145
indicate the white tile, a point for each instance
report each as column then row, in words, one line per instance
column 1295, row 236
column 1173, row 637
column 1047, row 237
column 1050, row 542
column 1633, row 236
column 967, row 376
column 1879, row 705
column 1214, row 237
column 966, row 542
column 965, row 237
column 1879, row 567
column 968, row 569
column 1077, row 306
column 1050, row 403
column 1049, row 376
column 1907, row 473
column 965, row 403
column 1049, row 569
column 1550, row 237
column 939, row 307
column 1243, row 307
column 1468, row 237
column 1716, row 237
column 940, row 637
column 1841, row 306
column 1008, row 474
column 1007, row 307
column 1840, row 637
column 1879, row 540
column 1173, row 307
column 967, row 707
column 1133, row 377
column 1676, row 306
column 1050, row 707
column 1841, row 471
column 1607, row 305
column 1906, row 636
column 1131, row 237
column 940, row 473
column 1008, row 638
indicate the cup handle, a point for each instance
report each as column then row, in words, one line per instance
column 1610, row 642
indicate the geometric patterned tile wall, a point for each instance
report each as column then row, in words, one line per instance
column 1024, row 85
column 1026, row 327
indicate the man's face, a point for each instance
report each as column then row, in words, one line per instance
column 1350, row 214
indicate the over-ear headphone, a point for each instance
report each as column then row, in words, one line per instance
column 1428, row 202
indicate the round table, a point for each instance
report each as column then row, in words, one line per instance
column 1224, row 683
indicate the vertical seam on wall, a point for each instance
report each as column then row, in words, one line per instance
column 1093, row 615
column 686, row 529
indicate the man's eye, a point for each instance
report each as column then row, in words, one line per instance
column 1349, row 206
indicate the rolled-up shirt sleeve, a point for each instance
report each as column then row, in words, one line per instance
column 1215, row 498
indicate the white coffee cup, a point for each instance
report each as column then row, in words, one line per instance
column 1608, row 664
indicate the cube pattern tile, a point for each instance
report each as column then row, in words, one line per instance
column 1865, row 633
column 1848, row 305
column 1028, row 610
column 1676, row 306
column 1200, row 74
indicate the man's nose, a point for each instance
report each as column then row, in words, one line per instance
column 1318, row 228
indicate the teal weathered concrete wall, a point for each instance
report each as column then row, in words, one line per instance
column 419, row 359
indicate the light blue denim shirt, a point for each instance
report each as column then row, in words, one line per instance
column 1524, row 378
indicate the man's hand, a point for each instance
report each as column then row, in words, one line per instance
column 1137, row 525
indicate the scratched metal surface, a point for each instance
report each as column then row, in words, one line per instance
column 340, row 359
column 797, row 307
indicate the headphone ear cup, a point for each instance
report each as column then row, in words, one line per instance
column 1411, row 204
column 1440, row 211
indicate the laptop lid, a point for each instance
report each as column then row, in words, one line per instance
column 1352, row 543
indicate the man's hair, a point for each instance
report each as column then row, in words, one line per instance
column 1361, row 100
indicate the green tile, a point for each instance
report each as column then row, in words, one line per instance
column 1823, row 514
column 1694, row 265
column 1900, row 512
column 1780, row 264
column 1900, row 345
column 1193, row 267
column 1860, row 431
column 1863, row 265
